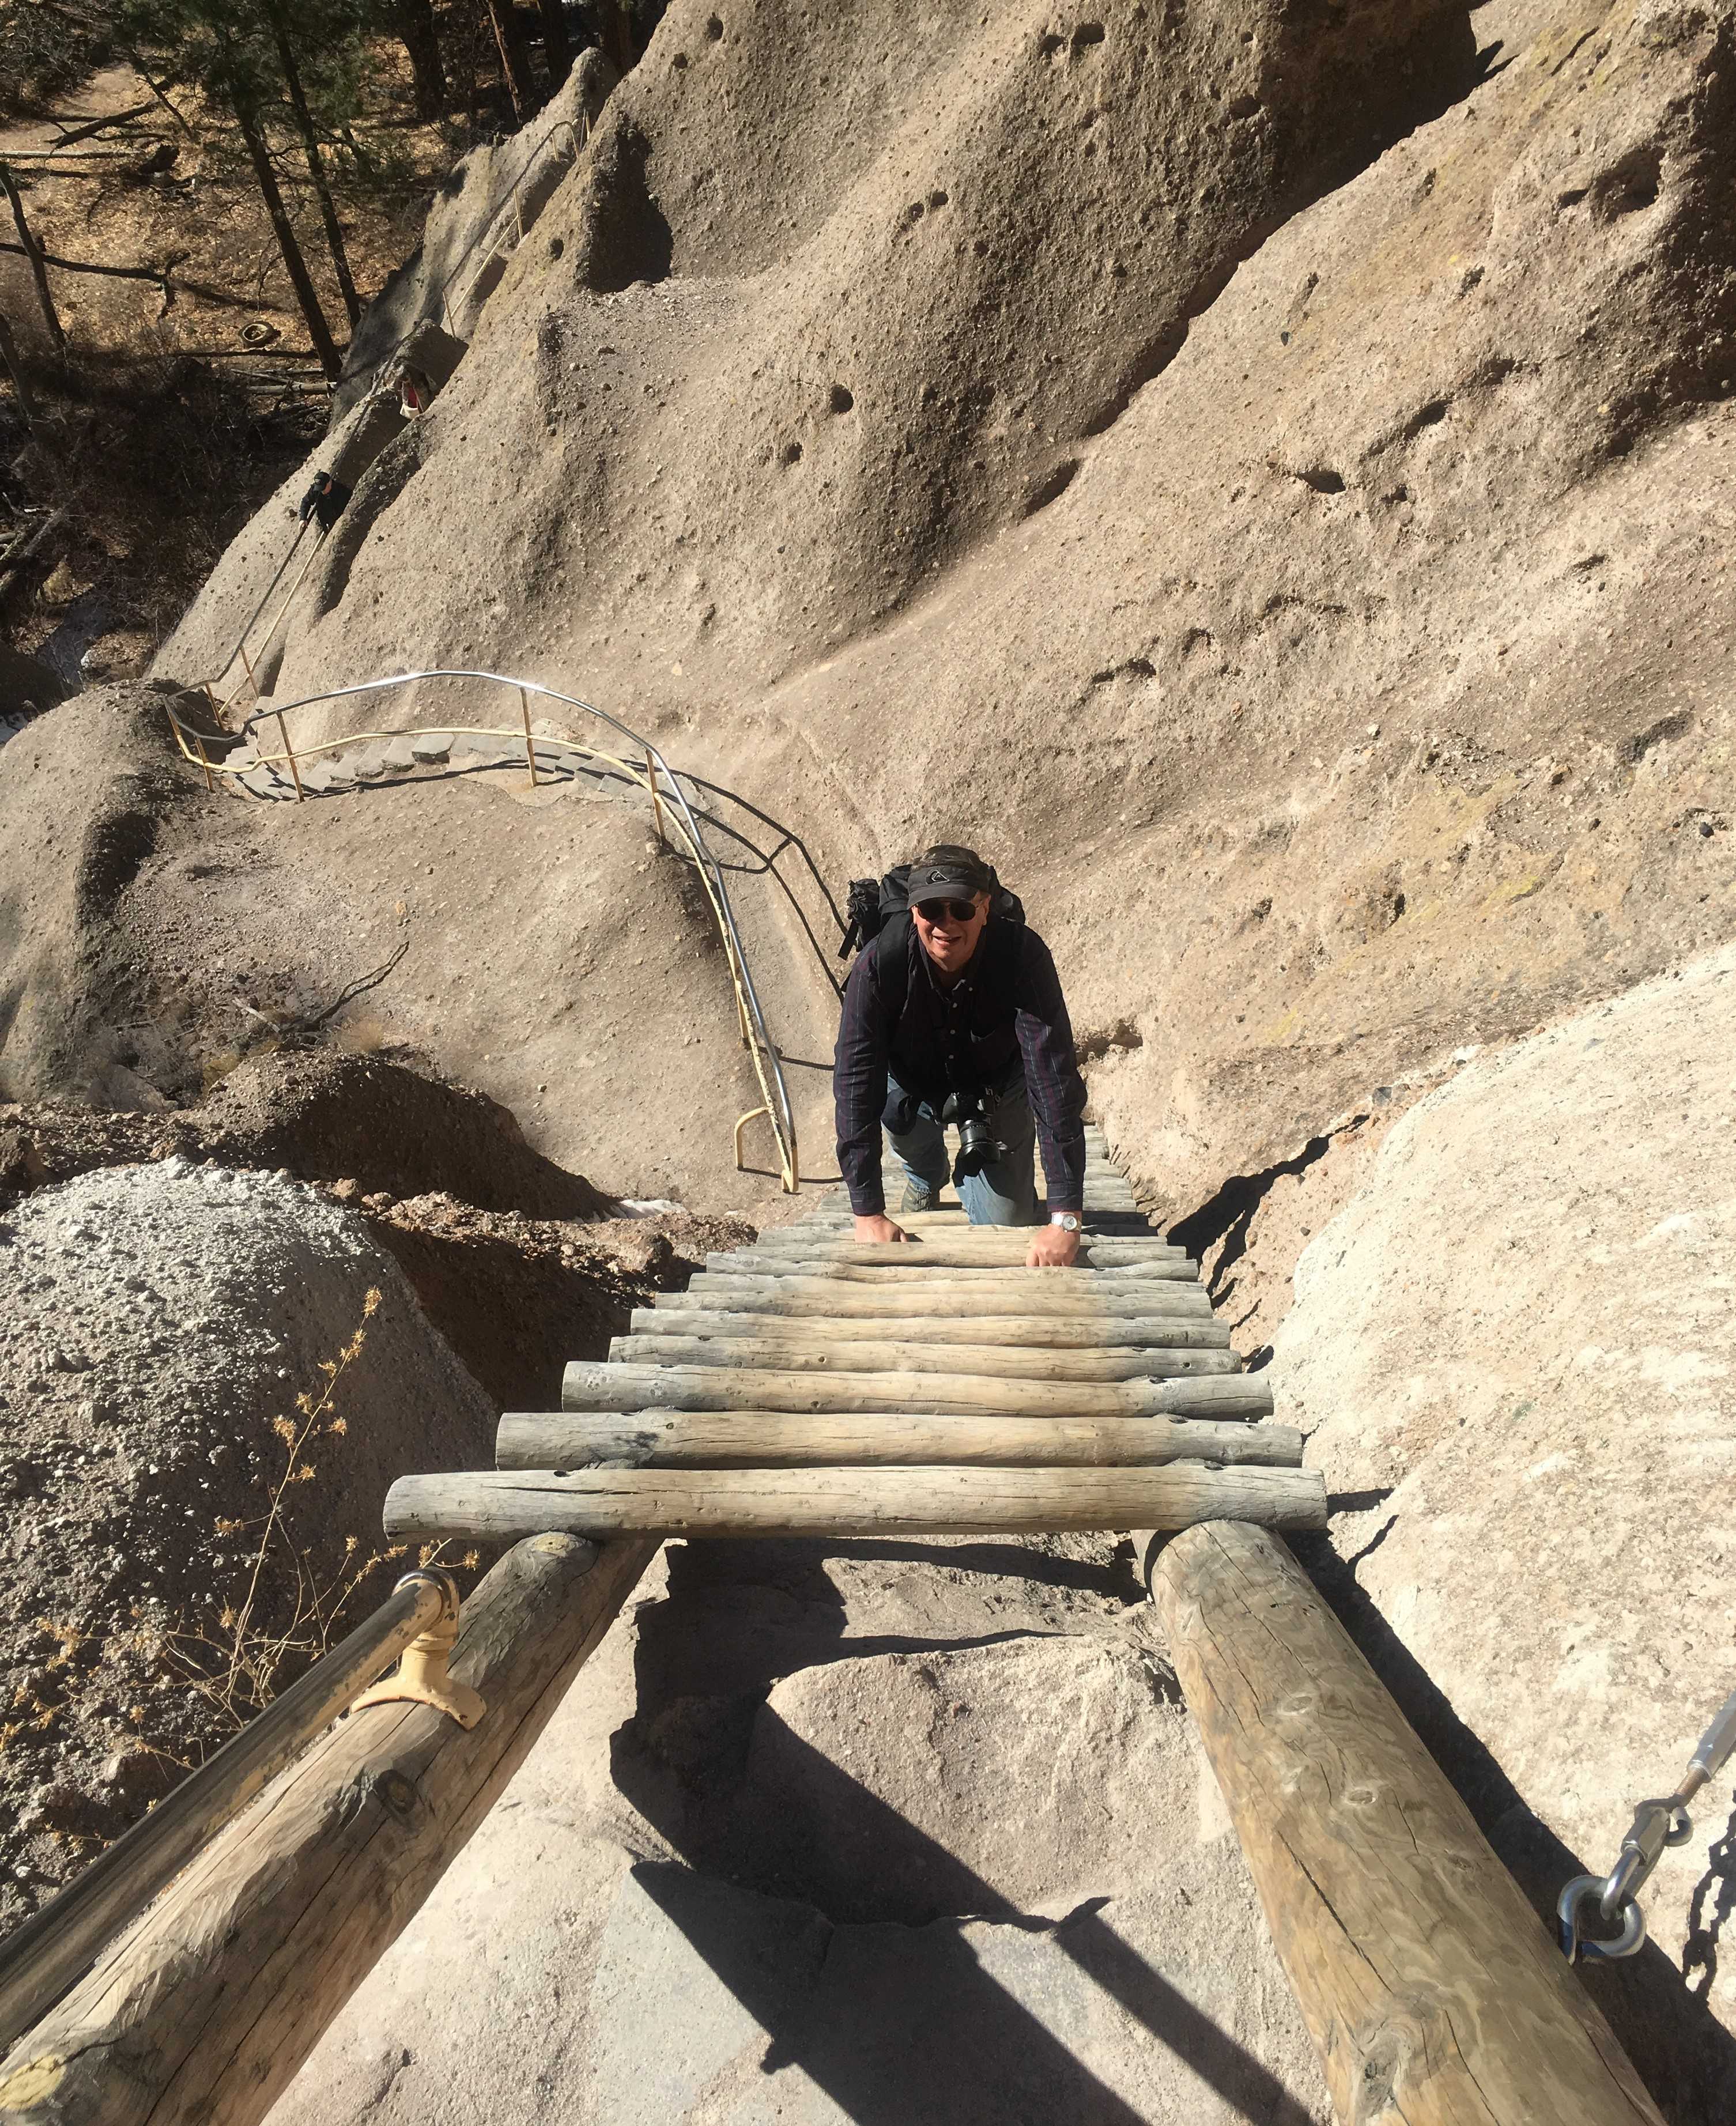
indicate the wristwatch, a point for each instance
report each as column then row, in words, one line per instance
column 1065, row 1220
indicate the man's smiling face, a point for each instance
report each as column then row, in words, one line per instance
column 947, row 937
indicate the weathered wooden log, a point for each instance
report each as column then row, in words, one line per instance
column 1005, row 1332
column 1098, row 1165
column 42, row 1959
column 207, row 2006
column 986, row 1361
column 857, row 1261
column 492, row 1505
column 968, row 1248
column 1429, row 1986
column 589, row 1385
column 1017, row 1294
column 954, row 1225
column 774, row 1440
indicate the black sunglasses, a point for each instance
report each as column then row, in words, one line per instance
column 938, row 911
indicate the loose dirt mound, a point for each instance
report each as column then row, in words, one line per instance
column 157, row 1325
column 331, row 1117
column 517, row 1298
column 321, row 1117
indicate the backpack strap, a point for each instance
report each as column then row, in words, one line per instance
column 891, row 976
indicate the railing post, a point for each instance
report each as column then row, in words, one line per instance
column 530, row 749
column 290, row 752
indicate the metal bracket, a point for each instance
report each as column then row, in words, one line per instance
column 421, row 1677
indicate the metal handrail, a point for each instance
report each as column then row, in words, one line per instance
column 485, row 233
column 661, row 783
column 240, row 648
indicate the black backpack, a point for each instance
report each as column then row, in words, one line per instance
column 879, row 911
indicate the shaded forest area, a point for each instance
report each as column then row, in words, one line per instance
column 197, row 200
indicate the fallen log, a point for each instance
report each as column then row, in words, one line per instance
column 985, row 1361
column 494, row 1506
column 207, row 2006
column 589, row 1385
column 774, row 1440
column 1429, row 1986
column 1053, row 1332
column 1023, row 1295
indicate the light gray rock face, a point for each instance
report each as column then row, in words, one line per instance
column 1520, row 1338
column 897, row 1783
column 713, row 2003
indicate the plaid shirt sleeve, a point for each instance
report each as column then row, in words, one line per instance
column 1051, row 1075
column 858, row 1087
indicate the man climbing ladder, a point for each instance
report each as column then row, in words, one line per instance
column 954, row 1012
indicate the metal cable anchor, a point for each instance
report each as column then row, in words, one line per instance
column 1656, row 1824
column 420, row 1678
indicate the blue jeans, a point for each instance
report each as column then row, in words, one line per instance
column 1005, row 1192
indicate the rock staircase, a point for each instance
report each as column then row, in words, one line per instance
column 250, row 771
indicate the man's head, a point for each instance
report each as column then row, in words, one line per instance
column 949, row 890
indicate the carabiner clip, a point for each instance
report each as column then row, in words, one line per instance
column 1574, row 1944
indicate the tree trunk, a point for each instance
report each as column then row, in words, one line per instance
column 514, row 59
column 555, row 49
column 617, row 34
column 318, row 330
column 316, row 169
column 38, row 272
column 15, row 370
column 414, row 20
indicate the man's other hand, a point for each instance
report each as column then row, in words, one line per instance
column 1052, row 1248
column 881, row 1229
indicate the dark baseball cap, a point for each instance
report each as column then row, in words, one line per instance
column 947, row 871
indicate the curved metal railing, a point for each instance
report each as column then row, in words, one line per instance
column 672, row 806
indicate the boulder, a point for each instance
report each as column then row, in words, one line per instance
column 1023, row 1777
column 206, row 1407
column 1515, row 1350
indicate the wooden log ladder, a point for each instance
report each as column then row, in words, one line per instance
column 808, row 1385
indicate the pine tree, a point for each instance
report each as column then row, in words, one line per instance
column 240, row 53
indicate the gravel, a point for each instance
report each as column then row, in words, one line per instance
column 155, row 1322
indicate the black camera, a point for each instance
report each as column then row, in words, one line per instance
column 978, row 1144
